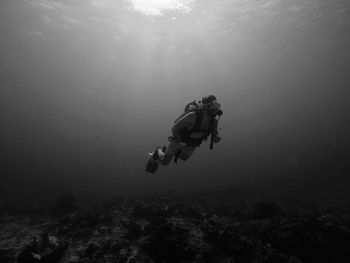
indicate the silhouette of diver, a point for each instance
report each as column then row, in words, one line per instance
column 194, row 126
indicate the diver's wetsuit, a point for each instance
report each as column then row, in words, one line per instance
column 188, row 133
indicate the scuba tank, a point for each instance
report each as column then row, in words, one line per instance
column 192, row 106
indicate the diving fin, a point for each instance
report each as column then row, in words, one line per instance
column 152, row 164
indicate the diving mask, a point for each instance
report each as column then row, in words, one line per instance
column 214, row 106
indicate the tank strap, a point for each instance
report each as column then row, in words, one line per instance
column 199, row 119
column 177, row 156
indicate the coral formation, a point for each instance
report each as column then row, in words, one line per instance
column 174, row 228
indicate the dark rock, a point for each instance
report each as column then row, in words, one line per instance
column 134, row 230
column 83, row 233
column 118, row 244
column 265, row 210
column 42, row 249
column 176, row 241
column 91, row 249
column 29, row 252
column 55, row 254
column 6, row 255
column 165, row 229
column 26, row 256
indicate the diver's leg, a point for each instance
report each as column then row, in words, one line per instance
column 186, row 152
column 166, row 157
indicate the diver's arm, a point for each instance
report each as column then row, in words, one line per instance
column 186, row 121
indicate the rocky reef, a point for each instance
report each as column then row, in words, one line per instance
column 175, row 228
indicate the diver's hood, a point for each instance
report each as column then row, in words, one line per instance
column 214, row 106
column 213, row 109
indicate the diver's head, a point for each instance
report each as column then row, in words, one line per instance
column 208, row 99
column 211, row 104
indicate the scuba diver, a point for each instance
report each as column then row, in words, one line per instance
column 191, row 128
